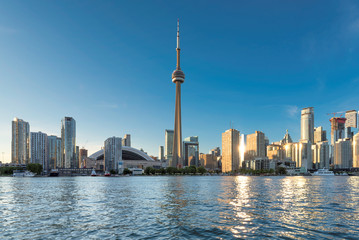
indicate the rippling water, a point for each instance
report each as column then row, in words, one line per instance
column 184, row 207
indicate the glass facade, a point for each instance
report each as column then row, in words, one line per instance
column 68, row 143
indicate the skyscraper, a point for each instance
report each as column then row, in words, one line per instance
column 351, row 122
column 337, row 129
column 320, row 135
column 168, row 144
column 20, row 142
column 161, row 153
column 343, row 153
column 68, row 142
column 112, row 153
column 255, row 145
column 39, row 148
column 126, row 140
column 307, row 124
column 178, row 78
column 54, row 151
column 83, row 156
column 191, row 151
column 356, row 150
column 320, row 155
column 230, row 150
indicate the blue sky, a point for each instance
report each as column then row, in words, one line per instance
column 108, row 64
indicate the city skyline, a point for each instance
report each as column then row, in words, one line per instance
column 223, row 84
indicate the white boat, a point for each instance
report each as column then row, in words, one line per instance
column 323, row 172
column 19, row 173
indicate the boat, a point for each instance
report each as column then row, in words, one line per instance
column 107, row 174
column 323, row 172
column 93, row 173
column 54, row 173
column 19, row 173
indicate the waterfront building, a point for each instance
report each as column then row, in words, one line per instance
column 191, row 151
column 77, row 162
column 209, row 161
column 20, row 142
column 337, row 129
column 302, row 154
column 68, row 143
column 54, row 151
column 126, row 140
column 261, row 163
column 275, row 152
column 351, row 122
column 230, row 150
column 168, row 144
column 161, row 153
column 356, row 150
column 255, row 146
column 307, row 124
column 343, row 153
column 178, row 78
column 112, row 153
column 82, row 157
column 320, row 153
column 39, row 148
column 320, row 135
column 286, row 139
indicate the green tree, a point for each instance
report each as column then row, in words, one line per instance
column 171, row 170
column 282, row 171
column 148, row 170
column 127, row 171
column 192, row 169
column 201, row 170
column 35, row 168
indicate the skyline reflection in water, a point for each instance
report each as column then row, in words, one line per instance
column 183, row 207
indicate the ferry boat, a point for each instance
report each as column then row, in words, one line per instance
column 323, row 172
column 19, row 173
column 107, row 174
column 93, row 173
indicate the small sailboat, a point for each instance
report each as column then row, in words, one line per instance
column 93, row 173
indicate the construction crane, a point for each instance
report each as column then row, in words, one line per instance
column 334, row 113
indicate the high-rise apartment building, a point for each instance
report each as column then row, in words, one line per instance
column 20, row 142
column 356, row 150
column 82, row 157
column 168, row 144
column 343, row 153
column 320, row 153
column 351, row 122
column 337, row 129
column 352, row 119
column 320, row 135
column 54, row 152
column 77, row 161
column 39, row 148
column 191, row 151
column 126, row 140
column 161, row 153
column 112, row 153
column 255, row 146
column 275, row 152
column 68, row 142
column 302, row 154
column 209, row 161
column 307, row 124
column 230, row 150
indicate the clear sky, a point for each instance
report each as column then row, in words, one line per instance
column 108, row 64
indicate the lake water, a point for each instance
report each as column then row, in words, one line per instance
column 184, row 207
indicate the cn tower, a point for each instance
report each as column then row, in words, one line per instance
column 178, row 79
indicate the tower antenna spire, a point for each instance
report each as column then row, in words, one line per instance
column 178, row 47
